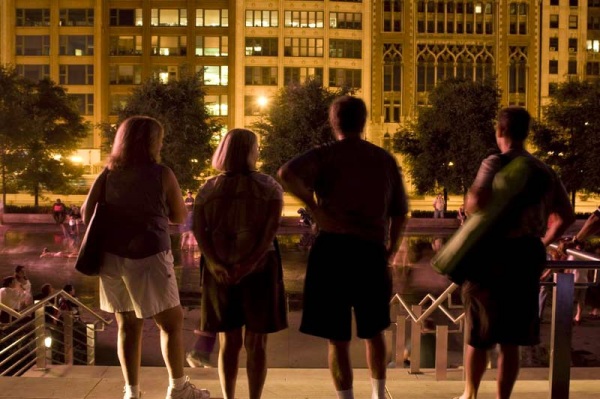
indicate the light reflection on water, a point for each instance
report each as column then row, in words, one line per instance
column 412, row 274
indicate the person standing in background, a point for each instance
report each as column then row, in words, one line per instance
column 438, row 207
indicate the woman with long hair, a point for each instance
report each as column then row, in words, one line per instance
column 137, row 279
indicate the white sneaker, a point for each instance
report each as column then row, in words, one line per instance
column 125, row 396
column 189, row 391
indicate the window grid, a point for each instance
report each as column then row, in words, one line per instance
column 169, row 46
column 391, row 110
column 455, row 18
column 125, row 45
column 303, row 47
column 76, row 45
column 518, row 19
column 262, row 46
column 342, row 48
column 299, row 75
column 33, row 17
column 125, row 74
column 572, row 45
column 216, row 104
column 85, row 103
column 126, row 17
column 76, row 17
column 212, row 18
column 303, row 19
column 261, row 76
column 553, row 44
column 76, row 74
column 392, row 16
column 212, row 46
column 216, row 75
column 33, row 72
column 262, row 18
column 572, row 67
column 592, row 68
column 345, row 20
column 168, row 17
column 553, row 67
column 573, row 21
column 32, row 45
column 340, row 77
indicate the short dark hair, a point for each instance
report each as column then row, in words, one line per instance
column 348, row 114
column 46, row 289
column 19, row 268
column 68, row 288
column 514, row 122
column 7, row 281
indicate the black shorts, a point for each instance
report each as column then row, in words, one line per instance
column 346, row 272
column 257, row 301
column 503, row 308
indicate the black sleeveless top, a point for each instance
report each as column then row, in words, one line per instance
column 137, row 206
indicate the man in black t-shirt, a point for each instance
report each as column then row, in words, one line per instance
column 360, row 209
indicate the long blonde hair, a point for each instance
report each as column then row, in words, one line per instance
column 138, row 141
column 237, row 152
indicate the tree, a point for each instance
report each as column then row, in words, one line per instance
column 296, row 121
column 449, row 139
column 568, row 137
column 45, row 129
column 189, row 129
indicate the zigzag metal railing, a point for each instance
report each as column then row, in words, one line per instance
column 413, row 312
column 36, row 336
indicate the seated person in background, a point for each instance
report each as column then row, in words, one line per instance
column 12, row 296
column 22, row 279
column 66, row 305
column 50, row 309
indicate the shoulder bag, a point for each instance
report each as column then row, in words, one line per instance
column 89, row 258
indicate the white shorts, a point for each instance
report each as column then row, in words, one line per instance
column 147, row 286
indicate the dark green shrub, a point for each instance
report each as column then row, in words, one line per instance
column 27, row 209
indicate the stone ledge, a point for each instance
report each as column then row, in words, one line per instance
column 13, row 218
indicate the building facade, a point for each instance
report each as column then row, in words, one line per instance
column 392, row 51
column 570, row 42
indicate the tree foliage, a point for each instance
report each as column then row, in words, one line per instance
column 446, row 143
column 189, row 129
column 40, row 128
column 568, row 137
column 296, row 121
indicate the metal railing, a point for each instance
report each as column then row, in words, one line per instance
column 42, row 334
column 561, row 326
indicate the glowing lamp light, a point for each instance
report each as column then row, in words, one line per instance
column 262, row 101
column 57, row 157
column 450, row 163
column 76, row 159
column 48, row 342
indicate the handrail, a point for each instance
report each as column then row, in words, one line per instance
column 32, row 308
column 437, row 303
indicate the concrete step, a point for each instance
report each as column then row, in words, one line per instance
column 99, row 382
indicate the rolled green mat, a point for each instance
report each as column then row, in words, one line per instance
column 520, row 181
